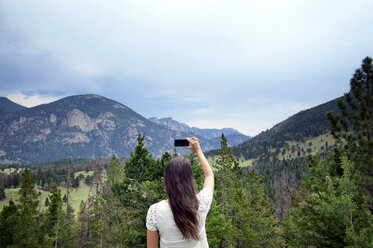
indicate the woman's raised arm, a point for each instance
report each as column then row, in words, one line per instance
column 209, row 174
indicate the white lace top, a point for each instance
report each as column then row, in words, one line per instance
column 160, row 218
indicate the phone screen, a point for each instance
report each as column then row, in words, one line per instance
column 181, row 142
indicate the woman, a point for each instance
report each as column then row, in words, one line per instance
column 179, row 221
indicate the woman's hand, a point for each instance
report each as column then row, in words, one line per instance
column 194, row 145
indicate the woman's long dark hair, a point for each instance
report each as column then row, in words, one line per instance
column 181, row 191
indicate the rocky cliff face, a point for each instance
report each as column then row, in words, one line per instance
column 171, row 124
column 81, row 126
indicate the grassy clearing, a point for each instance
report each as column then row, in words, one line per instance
column 247, row 163
column 84, row 173
column 311, row 146
column 10, row 194
column 77, row 195
column 242, row 162
column 9, row 170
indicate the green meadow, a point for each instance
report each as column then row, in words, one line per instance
column 77, row 194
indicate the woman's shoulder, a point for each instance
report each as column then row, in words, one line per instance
column 205, row 197
column 157, row 205
column 152, row 216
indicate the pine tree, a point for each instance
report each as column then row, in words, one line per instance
column 199, row 176
column 326, row 213
column 224, row 165
column 106, row 213
column 27, row 225
column 2, row 193
column 115, row 173
column 69, row 209
column 60, row 228
column 97, row 175
column 83, row 237
column 353, row 127
column 159, row 172
column 245, row 209
column 8, row 216
column 175, row 154
column 219, row 227
column 54, row 214
column 258, row 217
column 141, row 164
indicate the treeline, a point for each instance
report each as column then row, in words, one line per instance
column 47, row 174
column 55, row 172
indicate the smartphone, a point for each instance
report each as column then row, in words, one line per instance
column 181, row 142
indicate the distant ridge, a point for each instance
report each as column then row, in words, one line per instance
column 234, row 137
column 301, row 126
column 9, row 106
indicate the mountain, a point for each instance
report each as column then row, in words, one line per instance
column 233, row 136
column 82, row 126
column 279, row 154
column 299, row 127
column 9, row 106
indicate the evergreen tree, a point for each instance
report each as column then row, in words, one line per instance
column 219, row 227
column 58, row 225
column 199, row 176
column 175, row 154
column 245, row 209
column 27, row 224
column 107, row 216
column 2, row 193
column 98, row 174
column 255, row 214
column 8, row 216
column 326, row 213
column 224, row 165
column 69, row 209
column 83, row 229
column 159, row 171
column 141, row 164
column 353, row 127
column 115, row 173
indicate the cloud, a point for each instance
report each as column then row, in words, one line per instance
column 248, row 120
column 249, row 128
column 32, row 100
column 197, row 61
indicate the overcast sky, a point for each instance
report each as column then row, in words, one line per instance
column 209, row 63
